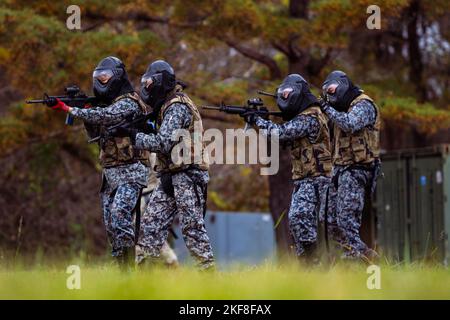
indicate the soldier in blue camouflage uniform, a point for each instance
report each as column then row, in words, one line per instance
column 356, row 163
column 182, row 189
column 125, row 169
column 306, row 130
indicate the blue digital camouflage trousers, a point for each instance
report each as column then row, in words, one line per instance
column 118, row 205
column 119, row 194
column 346, row 204
column 189, row 203
column 306, row 210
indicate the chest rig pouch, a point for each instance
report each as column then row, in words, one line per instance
column 116, row 151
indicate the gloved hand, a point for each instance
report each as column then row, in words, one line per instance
column 146, row 127
column 58, row 105
column 323, row 103
column 249, row 117
column 264, row 116
column 124, row 131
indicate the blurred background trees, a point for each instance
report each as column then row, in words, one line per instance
column 225, row 50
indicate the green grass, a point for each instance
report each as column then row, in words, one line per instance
column 261, row 282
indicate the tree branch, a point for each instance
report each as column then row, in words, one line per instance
column 294, row 52
column 280, row 47
column 129, row 15
column 250, row 53
column 140, row 16
column 316, row 65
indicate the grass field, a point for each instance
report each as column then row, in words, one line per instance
column 267, row 281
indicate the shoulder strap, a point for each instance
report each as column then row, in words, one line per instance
column 360, row 98
column 311, row 111
column 177, row 96
column 134, row 96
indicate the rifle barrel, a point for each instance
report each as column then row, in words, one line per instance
column 211, row 108
column 241, row 109
column 34, row 101
column 275, row 113
column 266, row 94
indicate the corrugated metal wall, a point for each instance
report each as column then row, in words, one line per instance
column 236, row 237
column 412, row 204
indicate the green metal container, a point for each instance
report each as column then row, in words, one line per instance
column 412, row 204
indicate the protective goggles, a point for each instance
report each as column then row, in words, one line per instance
column 103, row 75
column 284, row 92
column 148, row 81
column 330, row 88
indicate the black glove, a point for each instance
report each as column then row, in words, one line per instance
column 323, row 103
column 249, row 117
column 51, row 101
column 147, row 127
column 125, row 132
column 264, row 115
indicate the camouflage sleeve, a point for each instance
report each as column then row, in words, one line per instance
column 300, row 126
column 110, row 115
column 363, row 114
column 177, row 116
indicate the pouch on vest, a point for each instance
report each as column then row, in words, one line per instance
column 359, row 150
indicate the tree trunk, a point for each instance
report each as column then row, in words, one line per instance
column 298, row 8
column 297, row 65
column 414, row 53
column 280, row 186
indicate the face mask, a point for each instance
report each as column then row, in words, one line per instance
column 110, row 80
column 294, row 96
column 157, row 82
column 154, row 88
column 339, row 90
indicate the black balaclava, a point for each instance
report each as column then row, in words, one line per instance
column 345, row 92
column 299, row 96
column 163, row 81
column 118, row 83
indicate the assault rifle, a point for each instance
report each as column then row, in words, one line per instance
column 74, row 98
column 145, row 124
column 254, row 105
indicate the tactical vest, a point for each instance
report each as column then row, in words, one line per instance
column 362, row 147
column 312, row 158
column 116, row 151
column 190, row 152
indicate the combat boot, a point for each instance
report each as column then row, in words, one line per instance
column 371, row 257
column 309, row 257
column 207, row 266
column 126, row 259
column 143, row 260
